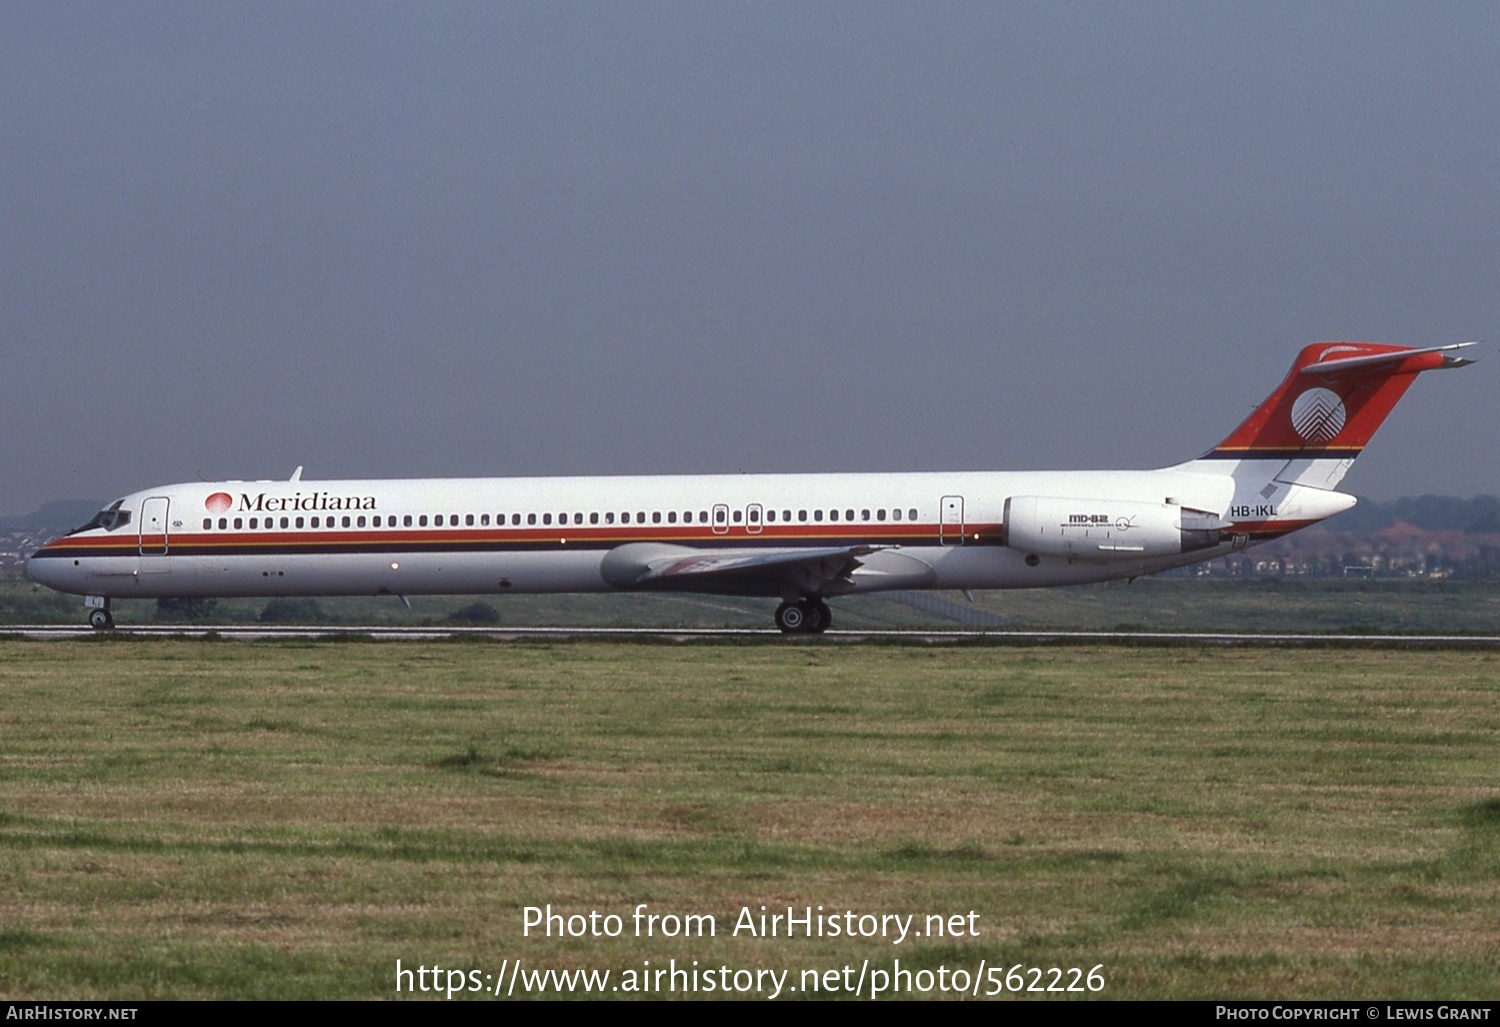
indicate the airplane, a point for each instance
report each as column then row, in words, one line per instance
column 802, row 538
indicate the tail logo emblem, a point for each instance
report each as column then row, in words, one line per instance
column 218, row 502
column 1318, row 416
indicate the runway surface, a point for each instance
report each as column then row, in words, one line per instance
column 257, row 633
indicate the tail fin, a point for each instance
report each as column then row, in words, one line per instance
column 1329, row 406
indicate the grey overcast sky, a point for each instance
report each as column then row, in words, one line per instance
column 408, row 239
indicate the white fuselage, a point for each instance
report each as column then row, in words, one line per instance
column 498, row 535
column 801, row 537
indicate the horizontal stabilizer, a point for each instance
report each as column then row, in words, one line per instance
column 1348, row 366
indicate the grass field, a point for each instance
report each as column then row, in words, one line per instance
column 284, row 820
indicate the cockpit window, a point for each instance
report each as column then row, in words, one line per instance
column 110, row 518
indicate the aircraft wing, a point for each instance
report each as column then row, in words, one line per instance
column 649, row 565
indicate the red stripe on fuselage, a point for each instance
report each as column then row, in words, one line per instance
column 185, row 542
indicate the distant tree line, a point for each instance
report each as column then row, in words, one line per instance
column 1432, row 513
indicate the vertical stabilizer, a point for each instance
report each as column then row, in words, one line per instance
column 1325, row 411
column 1287, row 458
column 1335, row 397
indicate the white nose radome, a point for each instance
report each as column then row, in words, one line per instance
column 53, row 571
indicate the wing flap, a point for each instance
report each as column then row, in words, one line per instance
column 646, row 565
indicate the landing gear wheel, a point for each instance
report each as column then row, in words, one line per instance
column 791, row 618
column 100, row 620
column 812, row 616
column 825, row 617
column 804, row 617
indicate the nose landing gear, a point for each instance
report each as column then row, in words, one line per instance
column 100, row 618
column 804, row 617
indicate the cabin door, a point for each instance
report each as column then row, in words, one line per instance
column 154, row 540
column 951, row 524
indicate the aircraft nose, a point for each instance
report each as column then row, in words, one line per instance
column 44, row 569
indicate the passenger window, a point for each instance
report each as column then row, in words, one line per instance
column 437, row 521
column 609, row 517
column 817, row 515
column 735, row 516
column 770, row 516
column 484, row 520
column 880, row 514
column 802, row 516
column 406, row 520
column 753, row 516
column 640, row 517
column 895, row 515
column 671, row 516
column 911, row 514
column 531, row 518
column 546, row 518
column 833, row 515
column 719, row 515
column 299, row 522
column 848, row 515
column 578, row 518
column 255, row 522
column 786, row 515
column 656, row 517
column 239, row 522
column 469, row 520
column 223, row 523
column 515, row 518
column 702, row 516
column 421, row 521
column 284, row 522
column 208, row 523
column 361, row 521
column 864, row 515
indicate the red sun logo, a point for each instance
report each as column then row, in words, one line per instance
column 218, row 502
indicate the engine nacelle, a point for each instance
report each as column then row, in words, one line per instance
column 1106, row 529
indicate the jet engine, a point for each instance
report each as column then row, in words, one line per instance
column 1106, row 529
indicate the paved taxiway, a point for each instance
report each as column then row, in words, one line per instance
column 255, row 633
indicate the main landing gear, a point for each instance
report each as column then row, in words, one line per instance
column 804, row 617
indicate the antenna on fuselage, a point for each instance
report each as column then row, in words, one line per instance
column 297, row 474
